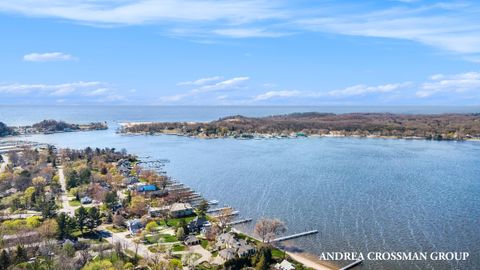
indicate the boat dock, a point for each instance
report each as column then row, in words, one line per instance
column 284, row 238
column 353, row 264
column 234, row 213
column 218, row 209
column 240, row 221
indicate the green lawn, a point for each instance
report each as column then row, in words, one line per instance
column 162, row 238
column 204, row 243
column 277, row 253
column 116, row 229
column 74, row 203
column 178, row 247
column 175, row 222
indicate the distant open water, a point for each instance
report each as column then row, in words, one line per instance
column 361, row 194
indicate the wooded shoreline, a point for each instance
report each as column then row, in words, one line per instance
column 411, row 126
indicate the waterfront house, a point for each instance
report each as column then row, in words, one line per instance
column 191, row 240
column 227, row 254
column 197, row 224
column 240, row 247
column 225, row 240
column 284, row 265
column 158, row 211
column 178, row 210
column 134, row 226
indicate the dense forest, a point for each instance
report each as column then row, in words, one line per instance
column 437, row 127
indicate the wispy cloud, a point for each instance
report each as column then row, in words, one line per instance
column 278, row 94
column 361, row 89
column 147, row 11
column 47, row 57
column 439, row 89
column 248, row 33
column 452, row 26
column 92, row 90
column 201, row 81
column 205, row 86
column 458, row 83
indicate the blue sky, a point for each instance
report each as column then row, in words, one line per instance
column 252, row 52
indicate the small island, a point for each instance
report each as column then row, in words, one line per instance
column 49, row 127
column 383, row 125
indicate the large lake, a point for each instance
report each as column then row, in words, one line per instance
column 361, row 194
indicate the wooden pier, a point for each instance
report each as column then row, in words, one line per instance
column 284, row 238
column 218, row 209
column 234, row 213
column 239, row 221
column 353, row 264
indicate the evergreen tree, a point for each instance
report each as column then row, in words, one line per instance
column 81, row 216
column 48, row 209
column 111, row 200
column 202, row 208
column 72, row 179
column 94, row 218
column 66, row 225
column 4, row 260
column 20, row 255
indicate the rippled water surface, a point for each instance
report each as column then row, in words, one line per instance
column 361, row 194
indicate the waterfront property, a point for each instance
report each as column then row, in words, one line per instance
column 178, row 210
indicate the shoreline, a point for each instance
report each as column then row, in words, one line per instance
column 304, row 258
column 276, row 137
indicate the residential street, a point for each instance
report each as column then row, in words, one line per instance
column 128, row 243
column 70, row 210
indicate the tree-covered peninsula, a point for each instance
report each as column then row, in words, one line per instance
column 422, row 126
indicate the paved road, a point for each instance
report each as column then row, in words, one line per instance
column 4, row 163
column 70, row 210
column 128, row 243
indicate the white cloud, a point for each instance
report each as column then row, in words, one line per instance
column 201, row 81
column 146, row 11
column 452, row 27
column 207, row 85
column 361, row 89
column 47, row 57
column 458, row 83
column 276, row 94
column 92, row 90
column 247, row 33
column 230, row 84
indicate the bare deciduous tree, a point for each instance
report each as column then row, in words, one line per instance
column 267, row 229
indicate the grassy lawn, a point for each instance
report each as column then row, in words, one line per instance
column 277, row 253
column 162, row 238
column 178, row 247
column 115, row 229
column 175, row 222
column 204, row 243
column 74, row 203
